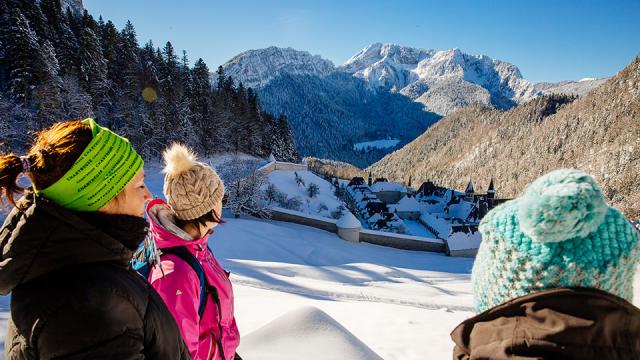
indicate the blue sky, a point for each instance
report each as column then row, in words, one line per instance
column 548, row 40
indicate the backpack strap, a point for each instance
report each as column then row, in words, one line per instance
column 216, row 299
column 186, row 255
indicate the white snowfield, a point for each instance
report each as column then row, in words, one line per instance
column 401, row 304
column 378, row 144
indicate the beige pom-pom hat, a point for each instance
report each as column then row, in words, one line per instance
column 192, row 188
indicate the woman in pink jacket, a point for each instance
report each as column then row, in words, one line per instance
column 201, row 305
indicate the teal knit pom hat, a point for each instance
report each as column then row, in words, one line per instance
column 559, row 233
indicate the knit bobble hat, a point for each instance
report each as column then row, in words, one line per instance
column 559, row 233
column 192, row 188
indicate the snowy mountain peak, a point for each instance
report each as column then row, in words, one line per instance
column 256, row 68
column 441, row 80
column 380, row 54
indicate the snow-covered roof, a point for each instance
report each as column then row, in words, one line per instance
column 387, row 186
column 408, row 204
column 348, row 221
column 460, row 210
column 462, row 241
column 374, row 218
column 440, row 225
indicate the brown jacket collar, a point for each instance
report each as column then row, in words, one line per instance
column 553, row 324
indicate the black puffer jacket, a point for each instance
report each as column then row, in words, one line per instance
column 73, row 292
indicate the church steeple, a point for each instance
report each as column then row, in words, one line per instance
column 491, row 192
column 469, row 188
column 370, row 178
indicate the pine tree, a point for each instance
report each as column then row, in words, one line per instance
column 20, row 48
column 64, row 40
column 75, row 23
column 111, row 42
column 4, row 34
column 283, row 146
column 48, row 87
column 221, row 78
column 93, row 67
column 171, row 92
column 75, row 102
column 13, row 121
column 130, row 97
column 37, row 21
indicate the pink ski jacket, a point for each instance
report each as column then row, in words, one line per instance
column 178, row 285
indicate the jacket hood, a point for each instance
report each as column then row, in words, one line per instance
column 164, row 229
column 558, row 323
column 45, row 237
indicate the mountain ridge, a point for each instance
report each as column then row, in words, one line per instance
column 313, row 92
column 598, row 133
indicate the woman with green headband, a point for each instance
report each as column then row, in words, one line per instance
column 66, row 247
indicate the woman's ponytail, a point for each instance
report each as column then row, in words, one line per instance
column 10, row 170
column 54, row 151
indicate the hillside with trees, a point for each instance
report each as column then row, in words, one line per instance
column 56, row 65
column 598, row 133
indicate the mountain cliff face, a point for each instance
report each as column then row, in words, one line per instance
column 443, row 81
column 256, row 68
column 75, row 6
column 599, row 133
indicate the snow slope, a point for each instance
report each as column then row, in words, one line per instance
column 580, row 87
column 300, row 330
column 378, row 144
column 285, row 181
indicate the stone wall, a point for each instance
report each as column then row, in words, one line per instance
column 398, row 241
column 406, row 242
column 277, row 165
column 296, row 217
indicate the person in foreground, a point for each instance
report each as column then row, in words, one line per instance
column 66, row 250
column 190, row 280
column 553, row 277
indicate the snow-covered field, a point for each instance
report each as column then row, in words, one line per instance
column 402, row 304
column 378, row 144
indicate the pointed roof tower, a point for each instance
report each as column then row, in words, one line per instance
column 469, row 188
column 491, row 189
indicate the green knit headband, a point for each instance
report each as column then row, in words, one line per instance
column 101, row 172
